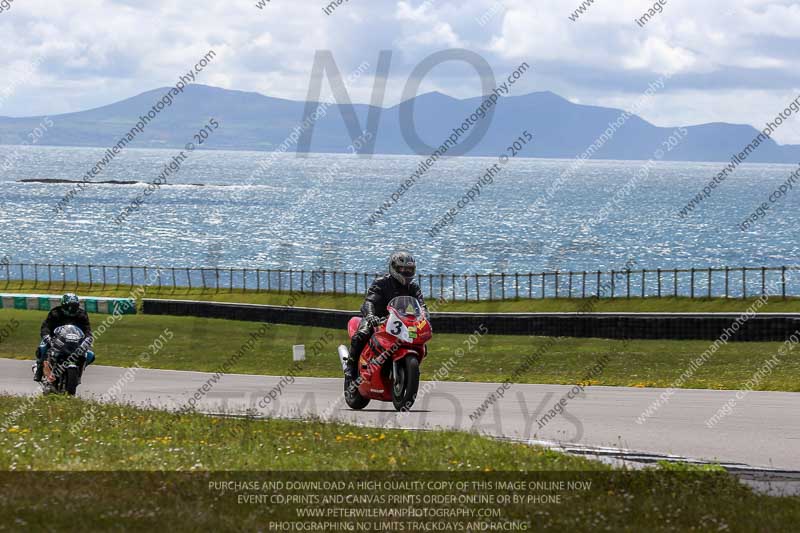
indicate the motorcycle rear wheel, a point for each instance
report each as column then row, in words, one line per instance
column 353, row 398
column 406, row 384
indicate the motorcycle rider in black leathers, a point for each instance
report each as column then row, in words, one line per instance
column 398, row 282
column 68, row 313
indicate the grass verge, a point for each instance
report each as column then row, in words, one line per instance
column 351, row 302
column 130, row 470
column 204, row 344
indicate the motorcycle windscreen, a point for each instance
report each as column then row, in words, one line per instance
column 404, row 311
column 67, row 338
column 405, row 307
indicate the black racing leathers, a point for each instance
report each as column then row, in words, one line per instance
column 57, row 317
column 379, row 294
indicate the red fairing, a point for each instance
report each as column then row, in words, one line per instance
column 352, row 326
column 375, row 364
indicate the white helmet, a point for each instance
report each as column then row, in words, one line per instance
column 402, row 267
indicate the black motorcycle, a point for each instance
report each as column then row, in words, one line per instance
column 65, row 361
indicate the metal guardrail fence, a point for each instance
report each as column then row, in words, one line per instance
column 727, row 282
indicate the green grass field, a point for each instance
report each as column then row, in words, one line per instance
column 203, row 344
column 339, row 301
column 121, row 472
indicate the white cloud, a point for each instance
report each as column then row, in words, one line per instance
column 735, row 58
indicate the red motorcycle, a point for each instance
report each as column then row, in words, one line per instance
column 388, row 367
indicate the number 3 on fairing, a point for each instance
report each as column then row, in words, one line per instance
column 397, row 327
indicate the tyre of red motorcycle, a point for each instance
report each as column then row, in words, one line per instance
column 406, row 383
column 72, row 380
column 352, row 397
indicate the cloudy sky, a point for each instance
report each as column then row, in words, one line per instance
column 734, row 60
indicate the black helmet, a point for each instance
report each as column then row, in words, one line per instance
column 402, row 267
column 70, row 303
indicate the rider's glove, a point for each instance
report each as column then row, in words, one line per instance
column 373, row 321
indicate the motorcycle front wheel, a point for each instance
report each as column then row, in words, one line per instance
column 406, row 383
column 72, row 380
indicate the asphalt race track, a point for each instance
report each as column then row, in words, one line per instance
column 762, row 434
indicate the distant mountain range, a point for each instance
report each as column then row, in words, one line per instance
column 251, row 121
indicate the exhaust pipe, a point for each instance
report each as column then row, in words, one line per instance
column 344, row 355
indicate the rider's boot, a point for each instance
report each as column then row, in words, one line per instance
column 351, row 371
column 38, row 372
column 357, row 344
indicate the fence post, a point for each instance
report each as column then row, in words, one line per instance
column 174, row 285
column 543, row 287
column 430, row 285
column 556, row 282
column 244, row 280
column 466, row 288
column 727, row 279
column 709, row 283
column 355, row 281
column 502, row 286
column 366, row 282
column 91, row 281
column 613, row 283
column 323, row 281
column 313, row 282
column 189, row 278
column 104, row 277
column 570, row 284
column 78, row 278
column 230, row 279
column 783, row 282
column 530, row 285
column 691, row 292
column 302, row 281
column 675, row 282
column 627, row 283
column 659, row 282
column 491, row 296
column 644, row 283
column 453, row 280
column 333, row 274
column 583, row 285
column 258, row 280
column 516, row 284
column 477, row 288
column 763, row 281
column 744, row 283
column 35, row 275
